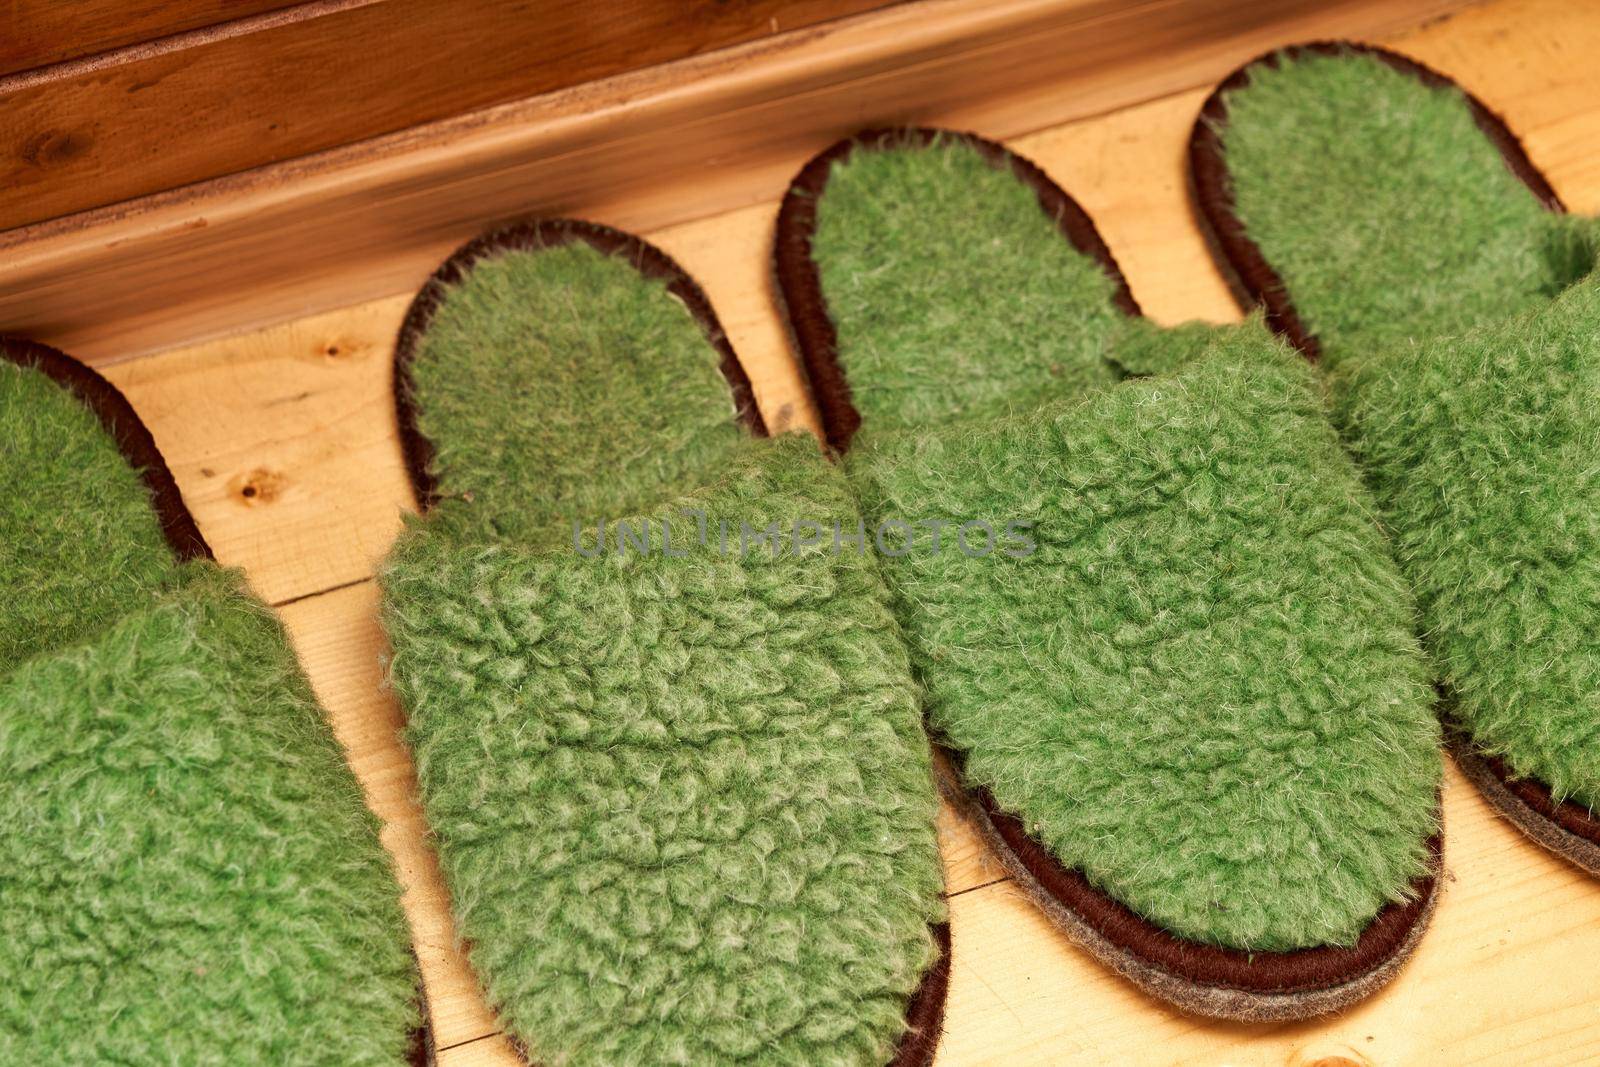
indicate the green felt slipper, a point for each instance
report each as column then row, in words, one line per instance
column 1395, row 229
column 666, row 734
column 190, row 874
column 1159, row 631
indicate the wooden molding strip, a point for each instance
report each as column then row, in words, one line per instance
column 640, row 151
column 224, row 98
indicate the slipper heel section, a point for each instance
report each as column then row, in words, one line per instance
column 1464, row 379
column 492, row 406
column 1362, row 197
column 947, row 247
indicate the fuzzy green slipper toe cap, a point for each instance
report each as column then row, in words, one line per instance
column 1483, row 448
column 684, row 804
column 203, row 879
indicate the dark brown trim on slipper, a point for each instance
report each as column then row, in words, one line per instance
column 1211, row 979
column 1569, row 830
column 1205, row 979
column 132, row 436
column 646, row 258
column 1104, row 929
column 800, row 284
column 925, row 1009
column 1561, row 826
column 1252, row 278
column 422, row 1051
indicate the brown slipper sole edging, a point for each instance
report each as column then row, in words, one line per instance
column 1103, row 927
column 925, row 1009
column 423, row 1050
column 138, row 447
column 1565, row 828
column 1200, row 978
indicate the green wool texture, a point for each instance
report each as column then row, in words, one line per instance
column 956, row 297
column 1384, row 208
column 627, row 403
column 1202, row 686
column 79, row 540
column 1483, row 447
column 1460, row 319
column 190, row 874
column 682, row 800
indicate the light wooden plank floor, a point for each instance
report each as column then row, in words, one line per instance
column 284, row 445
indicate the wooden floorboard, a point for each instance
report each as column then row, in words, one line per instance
column 283, row 442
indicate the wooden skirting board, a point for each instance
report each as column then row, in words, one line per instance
column 237, row 93
column 641, row 150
